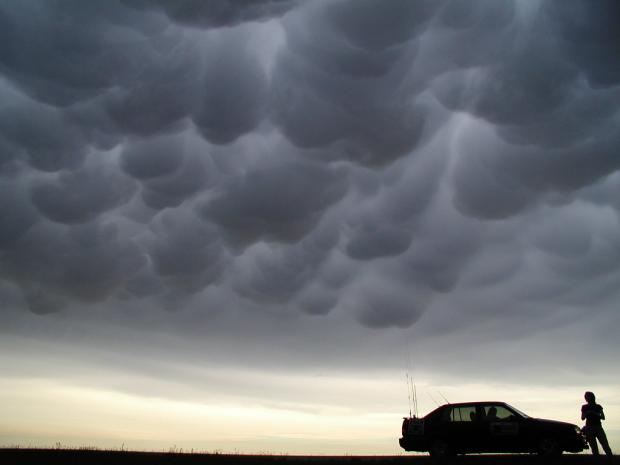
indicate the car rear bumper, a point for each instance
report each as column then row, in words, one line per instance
column 413, row 445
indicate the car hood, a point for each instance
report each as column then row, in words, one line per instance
column 553, row 423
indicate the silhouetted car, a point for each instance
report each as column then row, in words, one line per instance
column 478, row 427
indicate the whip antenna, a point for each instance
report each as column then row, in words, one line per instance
column 408, row 394
column 433, row 399
column 411, row 387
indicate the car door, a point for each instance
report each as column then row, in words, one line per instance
column 465, row 429
column 502, row 429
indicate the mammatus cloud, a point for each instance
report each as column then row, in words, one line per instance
column 367, row 161
column 220, row 13
column 344, row 80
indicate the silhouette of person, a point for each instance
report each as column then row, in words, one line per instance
column 592, row 413
column 492, row 414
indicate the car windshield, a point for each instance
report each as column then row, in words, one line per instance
column 518, row 411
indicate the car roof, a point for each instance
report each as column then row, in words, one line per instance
column 468, row 404
column 478, row 402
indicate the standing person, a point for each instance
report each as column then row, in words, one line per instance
column 592, row 413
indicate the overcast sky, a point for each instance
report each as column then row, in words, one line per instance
column 240, row 225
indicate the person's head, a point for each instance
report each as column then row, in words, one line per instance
column 589, row 397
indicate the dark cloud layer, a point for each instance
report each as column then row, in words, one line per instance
column 219, row 13
column 343, row 79
column 320, row 158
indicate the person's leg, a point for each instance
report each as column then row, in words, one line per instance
column 602, row 437
column 591, row 438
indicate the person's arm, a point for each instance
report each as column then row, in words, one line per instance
column 602, row 414
column 583, row 413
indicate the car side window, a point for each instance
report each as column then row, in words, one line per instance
column 497, row 413
column 461, row 414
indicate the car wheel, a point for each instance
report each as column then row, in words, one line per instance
column 440, row 449
column 549, row 448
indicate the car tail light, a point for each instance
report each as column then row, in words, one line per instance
column 405, row 426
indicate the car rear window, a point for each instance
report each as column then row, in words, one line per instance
column 462, row 414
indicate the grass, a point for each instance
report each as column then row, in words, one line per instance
column 87, row 455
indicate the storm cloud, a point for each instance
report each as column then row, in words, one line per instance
column 361, row 160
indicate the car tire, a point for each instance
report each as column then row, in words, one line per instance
column 440, row 449
column 549, row 447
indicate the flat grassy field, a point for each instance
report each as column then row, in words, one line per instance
column 102, row 457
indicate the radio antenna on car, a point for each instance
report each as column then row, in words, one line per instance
column 443, row 397
column 433, row 399
column 408, row 393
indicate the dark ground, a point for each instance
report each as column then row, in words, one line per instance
column 96, row 457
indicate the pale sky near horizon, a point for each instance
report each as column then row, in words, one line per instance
column 239, row 226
